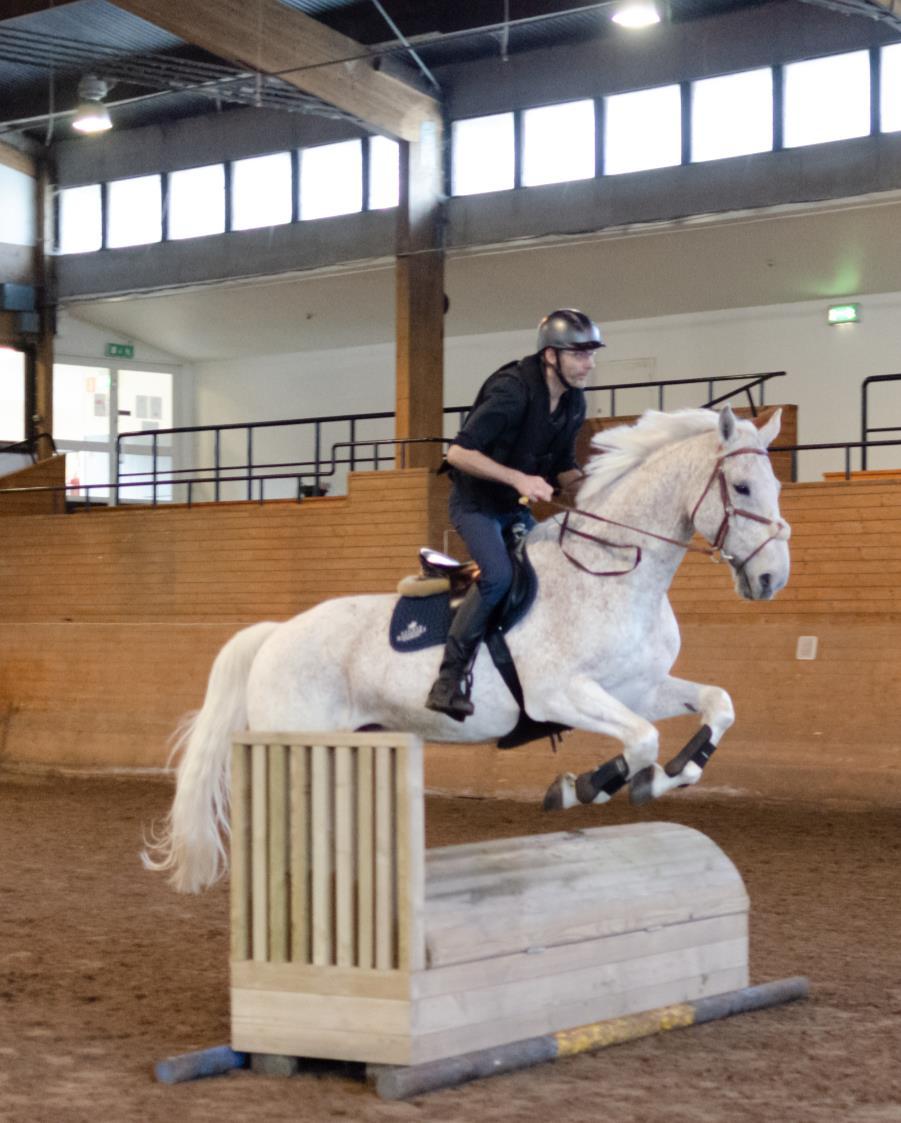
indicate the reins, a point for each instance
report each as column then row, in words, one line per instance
column 714, row 551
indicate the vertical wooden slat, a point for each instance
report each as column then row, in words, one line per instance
column 384, row 859
column 300, row 854
column 321, row 845
column 259, row 833
column 278, row 854
column 344, row 856
column 240, row 854
column 365, row 900
column 410, row 855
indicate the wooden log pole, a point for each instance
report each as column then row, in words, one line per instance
column 398, row 1082
column 192, row 1066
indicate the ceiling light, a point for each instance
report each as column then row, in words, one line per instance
column 636, row 15
column 92, row 115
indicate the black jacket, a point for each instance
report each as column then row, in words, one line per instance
column 511, row 422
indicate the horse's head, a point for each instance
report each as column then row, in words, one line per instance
column 738, row 511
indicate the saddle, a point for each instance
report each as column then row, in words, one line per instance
column 423, row 615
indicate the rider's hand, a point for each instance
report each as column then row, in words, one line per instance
column 534, row 488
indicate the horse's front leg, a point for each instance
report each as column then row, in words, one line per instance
column 584, row 704
column 673, row 697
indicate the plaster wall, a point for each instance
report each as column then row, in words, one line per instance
column 824, row 369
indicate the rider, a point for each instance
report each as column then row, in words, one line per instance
column 517, row 442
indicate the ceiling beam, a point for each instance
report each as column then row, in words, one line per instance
column 891, row 6
column 270, row 38
column 13, row 8
column 19, row 161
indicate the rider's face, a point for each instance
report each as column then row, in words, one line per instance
column 575, row 366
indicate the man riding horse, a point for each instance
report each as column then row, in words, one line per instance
column 518, row 441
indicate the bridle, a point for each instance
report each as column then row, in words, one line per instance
column 715, row 551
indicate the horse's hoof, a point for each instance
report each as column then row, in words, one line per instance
column 641, row 787
column 561, row 795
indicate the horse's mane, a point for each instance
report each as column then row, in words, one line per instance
column 620, row 450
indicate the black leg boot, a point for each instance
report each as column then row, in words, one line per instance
column 448, row 695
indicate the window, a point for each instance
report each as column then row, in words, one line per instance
column 827, row 99
column 331, row 179
column 643, row 130
column 135, row 211
column 482, row 154
column 12, row 396
column 890, row 92
column 80, row 223
column 384, row 173
column 732, row 115
column 197, row 202
column 261, row 191
column 558, row 143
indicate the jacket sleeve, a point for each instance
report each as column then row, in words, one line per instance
column 501, row 410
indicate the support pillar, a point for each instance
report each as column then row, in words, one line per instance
column 41, row 417
column 420, row 299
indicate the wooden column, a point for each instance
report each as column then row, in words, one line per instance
column 420, row 299
column 41, row 418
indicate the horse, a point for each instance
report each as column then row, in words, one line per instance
column 594, row 651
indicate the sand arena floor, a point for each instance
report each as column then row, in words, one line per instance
column 103, row 971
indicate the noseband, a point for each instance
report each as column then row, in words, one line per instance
column 715, row 550
column 717, row 546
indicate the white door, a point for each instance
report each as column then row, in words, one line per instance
column 92, row 406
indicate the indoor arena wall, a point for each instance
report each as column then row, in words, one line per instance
column 109, row 622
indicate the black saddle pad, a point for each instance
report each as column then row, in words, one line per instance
column 419, row 622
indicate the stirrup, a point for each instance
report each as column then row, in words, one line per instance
column 457, row 706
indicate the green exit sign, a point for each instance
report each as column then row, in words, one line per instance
column 120, row 350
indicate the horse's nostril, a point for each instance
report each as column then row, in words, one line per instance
column 766, row 581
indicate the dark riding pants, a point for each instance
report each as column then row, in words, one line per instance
column 488, row 539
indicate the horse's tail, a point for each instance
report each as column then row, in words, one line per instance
column 189, row 841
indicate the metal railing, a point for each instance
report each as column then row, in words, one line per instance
column 865, row 427
column 303, row 489
column 219, row 473
column 846, row 446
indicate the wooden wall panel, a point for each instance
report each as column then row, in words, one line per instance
column 109, row 622
column 235, row 562
column 46, row 473
column 100, row 695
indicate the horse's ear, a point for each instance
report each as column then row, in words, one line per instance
column 727, row 425
column 768, row 423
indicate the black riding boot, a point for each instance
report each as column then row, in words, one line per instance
column 448, row 696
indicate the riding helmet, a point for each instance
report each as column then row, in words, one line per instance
column 568, row 329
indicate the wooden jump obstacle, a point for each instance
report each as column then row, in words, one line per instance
column 350, row 942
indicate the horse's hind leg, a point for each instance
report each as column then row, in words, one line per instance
column 673, row 698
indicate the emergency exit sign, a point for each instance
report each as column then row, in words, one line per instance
column 120, row 351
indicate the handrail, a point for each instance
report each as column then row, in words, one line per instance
column 749, row 382
column 846, row 445
column 865, row 428
column 249, row 478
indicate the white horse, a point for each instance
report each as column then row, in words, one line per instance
column 594, row 652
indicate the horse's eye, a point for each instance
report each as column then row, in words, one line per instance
column 743, row 489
